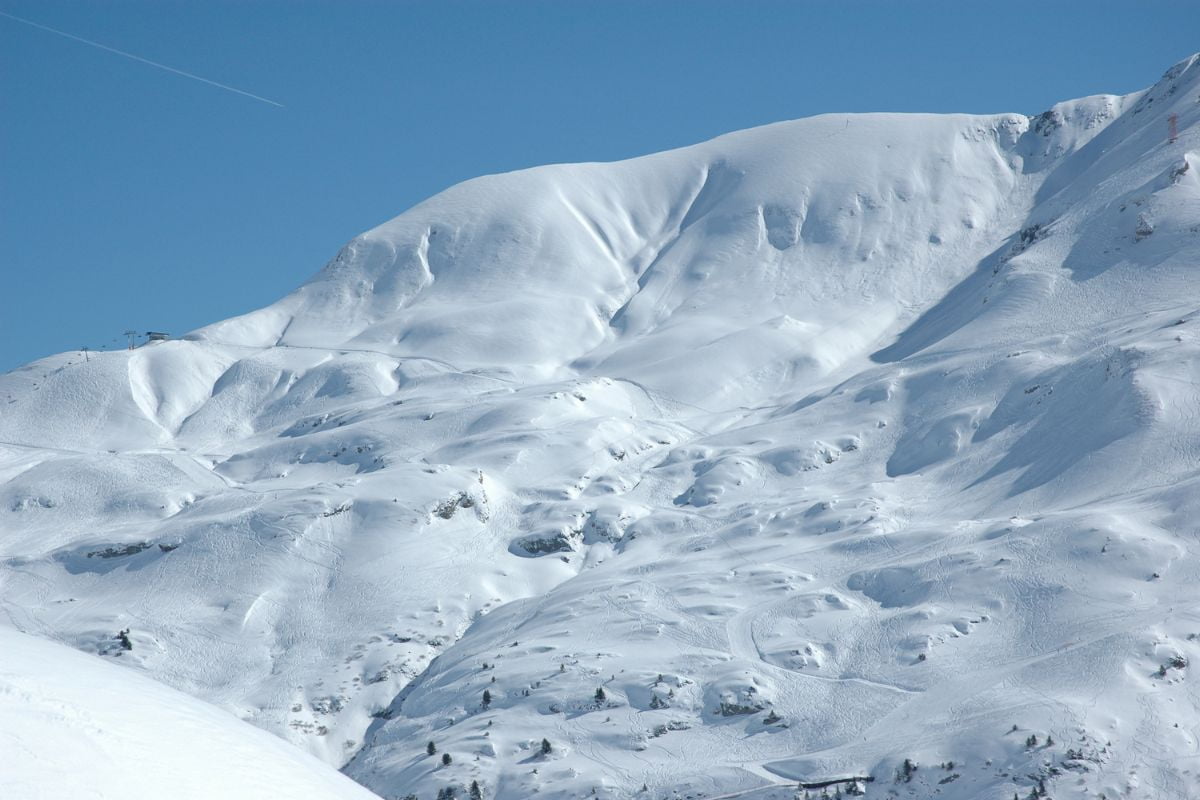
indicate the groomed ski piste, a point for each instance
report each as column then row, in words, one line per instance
column 854, row 454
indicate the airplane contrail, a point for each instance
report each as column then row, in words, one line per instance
column 233, row 89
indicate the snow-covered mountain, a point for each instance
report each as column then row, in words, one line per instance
column 855, row 447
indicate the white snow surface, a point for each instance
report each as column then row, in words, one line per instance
column 816, row 447
column 75, row 728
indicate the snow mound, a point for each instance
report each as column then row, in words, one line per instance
column 73, row 726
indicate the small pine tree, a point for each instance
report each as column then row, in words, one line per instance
column 446, row 759
column 476, row 792
column 487, row 698
column 431, row 748
column 1049, row 741
column 1031, row 741
column 546, row 748
column 600, row 695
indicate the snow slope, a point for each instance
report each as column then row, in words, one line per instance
column 72, row 726
column 816, row 447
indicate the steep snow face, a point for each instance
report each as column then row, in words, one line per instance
column 787, row 457
column 73, row 726
column 778, row 252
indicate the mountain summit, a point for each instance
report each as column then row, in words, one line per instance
column 856, row 452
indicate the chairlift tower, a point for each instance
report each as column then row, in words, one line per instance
column 132, row 335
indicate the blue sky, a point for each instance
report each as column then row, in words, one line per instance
column 133, row 197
